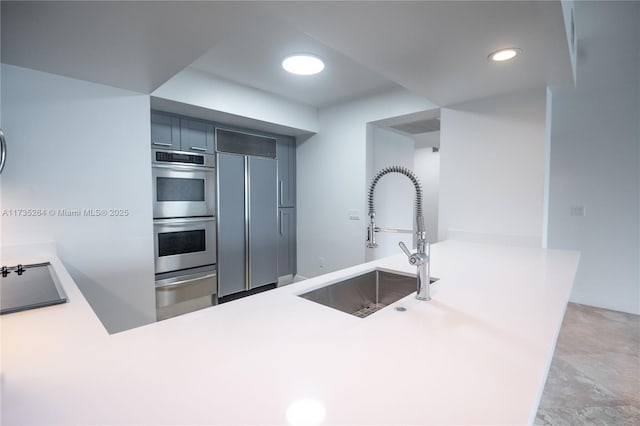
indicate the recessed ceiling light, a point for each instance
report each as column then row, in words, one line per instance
column 303, row 64
column 505, row 54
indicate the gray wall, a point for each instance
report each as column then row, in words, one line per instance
column 332, row 169
column 80, row 145
column 594, row 158
column 492, row 163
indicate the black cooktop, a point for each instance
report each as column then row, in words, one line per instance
column 32, row 286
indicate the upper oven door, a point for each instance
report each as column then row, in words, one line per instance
column 184, row 243
column 183, row 191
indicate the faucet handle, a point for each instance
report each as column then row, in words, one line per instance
column 404, row 248
column 416, row 259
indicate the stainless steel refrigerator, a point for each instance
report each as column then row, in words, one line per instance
column 247, row 214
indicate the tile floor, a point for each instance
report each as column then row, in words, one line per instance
column 594, row 377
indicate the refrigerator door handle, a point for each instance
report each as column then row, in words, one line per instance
column 280, row 220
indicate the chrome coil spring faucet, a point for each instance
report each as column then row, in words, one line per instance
column 421, row 258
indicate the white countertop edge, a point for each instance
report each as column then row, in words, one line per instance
column 543, row 380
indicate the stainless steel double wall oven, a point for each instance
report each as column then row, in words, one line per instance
column 184, row 212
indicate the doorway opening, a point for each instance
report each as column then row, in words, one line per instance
column 411, row 141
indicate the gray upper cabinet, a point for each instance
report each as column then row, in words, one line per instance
column 196, row 136
column 177, row 133
column 286, row 154
column 165, row 131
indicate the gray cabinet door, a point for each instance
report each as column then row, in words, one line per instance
column 286, row 154
column 232, row 237
column 196, row 136
column 263, row 221
column 165, row 131
column 287, row 242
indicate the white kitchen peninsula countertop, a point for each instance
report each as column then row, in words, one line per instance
column 478, row 353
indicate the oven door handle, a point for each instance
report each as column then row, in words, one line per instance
column 187, row 281
column 183, row 221
column 196, row 168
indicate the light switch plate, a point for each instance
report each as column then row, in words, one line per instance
column 579, row 211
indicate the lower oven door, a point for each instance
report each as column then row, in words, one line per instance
column 179, row 294
column 184, row 243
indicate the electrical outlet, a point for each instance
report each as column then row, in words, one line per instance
column 321, row 261
column 354, row 214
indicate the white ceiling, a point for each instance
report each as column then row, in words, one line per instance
column 439, row 49
column 136, row 45
column 436, row 49
column 252, row 56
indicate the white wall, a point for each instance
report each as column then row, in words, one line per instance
column 594, row 158
column 198, row 88
column 492, row 162
column 427, row 168
column 394, row 194
column 80, row 145
column 332, row 179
